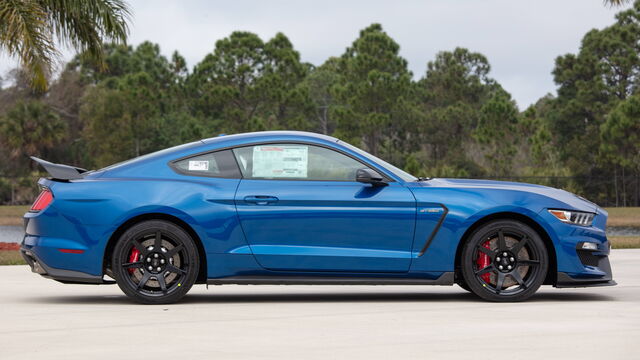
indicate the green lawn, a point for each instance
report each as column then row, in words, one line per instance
column 12, row 214
column 624, row 216
column 625, row 242
column 11, row 257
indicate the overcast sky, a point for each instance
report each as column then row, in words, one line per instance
column 520, row 38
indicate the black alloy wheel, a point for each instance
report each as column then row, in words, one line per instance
column 155, row 262
column 504, row 260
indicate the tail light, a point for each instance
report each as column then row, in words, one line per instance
column 44, row 199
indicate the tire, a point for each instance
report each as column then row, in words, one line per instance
column 504, row 260
column 464, row 285
column 155, row 262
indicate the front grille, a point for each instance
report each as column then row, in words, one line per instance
column 587, row 258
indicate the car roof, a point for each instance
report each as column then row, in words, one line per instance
column 220, row 141
column 145, row 164
column 261, row 135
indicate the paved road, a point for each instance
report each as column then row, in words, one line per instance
column 41, row 319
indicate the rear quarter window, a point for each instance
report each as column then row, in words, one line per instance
column 214, row 164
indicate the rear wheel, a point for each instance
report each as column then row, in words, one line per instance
column 155, row 262
column 504, row 260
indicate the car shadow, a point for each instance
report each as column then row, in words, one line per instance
column 375, row 297
column 322, row 297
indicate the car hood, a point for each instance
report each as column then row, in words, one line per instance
column 571, row 200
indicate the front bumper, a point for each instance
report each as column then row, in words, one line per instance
column 565, row 280
column 598, row 265
column 579, row 265
column 61, row 275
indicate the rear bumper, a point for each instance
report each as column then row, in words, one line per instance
column 61, row 275
column 64, row 242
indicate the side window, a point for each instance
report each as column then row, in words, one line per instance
column 295, row 162
column 214, row 164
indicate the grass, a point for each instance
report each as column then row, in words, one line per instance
column 11, row 257
column 624, row 216
column 12, row 214
column 625, row 242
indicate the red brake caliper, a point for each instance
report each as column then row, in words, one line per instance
column 484, row 261
column 133, row 257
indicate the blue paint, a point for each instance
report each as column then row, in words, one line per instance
column 304, row 227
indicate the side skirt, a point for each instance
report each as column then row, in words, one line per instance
column 444, row 279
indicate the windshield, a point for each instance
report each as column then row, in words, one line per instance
column 405, row 176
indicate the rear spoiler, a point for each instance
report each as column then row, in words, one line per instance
column 60, row 171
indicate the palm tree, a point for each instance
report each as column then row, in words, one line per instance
column 30, row 127
column 613, row 3
column 31, row 29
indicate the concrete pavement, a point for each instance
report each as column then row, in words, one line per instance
column 42, row 319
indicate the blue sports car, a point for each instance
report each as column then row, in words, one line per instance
column 287, row 207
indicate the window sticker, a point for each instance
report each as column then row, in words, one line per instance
column 198, row 165
column 280, row 161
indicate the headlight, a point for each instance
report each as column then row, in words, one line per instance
column 573, row 217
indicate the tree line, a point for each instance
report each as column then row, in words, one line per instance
column 454, row 120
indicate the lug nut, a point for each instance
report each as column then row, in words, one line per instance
column 148, row 259
column 150, row 268
column 155, row 255
column 500, row 267
column 504, row 254
column 512, row 259
column 509, row 267
column 161, row 261
column 158, row 269
column 498, row 258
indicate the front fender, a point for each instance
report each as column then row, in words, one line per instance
column 441, row 253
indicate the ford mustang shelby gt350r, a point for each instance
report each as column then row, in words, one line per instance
column 300, row 208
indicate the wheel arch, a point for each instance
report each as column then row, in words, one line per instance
column 202, row 274
column 551, row 251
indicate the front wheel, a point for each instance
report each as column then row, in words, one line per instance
column 155, row 262
column 504, row 260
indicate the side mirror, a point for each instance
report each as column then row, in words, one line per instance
column 369, row 176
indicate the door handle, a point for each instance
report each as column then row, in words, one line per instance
column 260, row 199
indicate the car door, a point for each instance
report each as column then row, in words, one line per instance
column 302, row 210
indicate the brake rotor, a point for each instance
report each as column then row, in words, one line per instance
column 169, row 276
column 522, row 255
